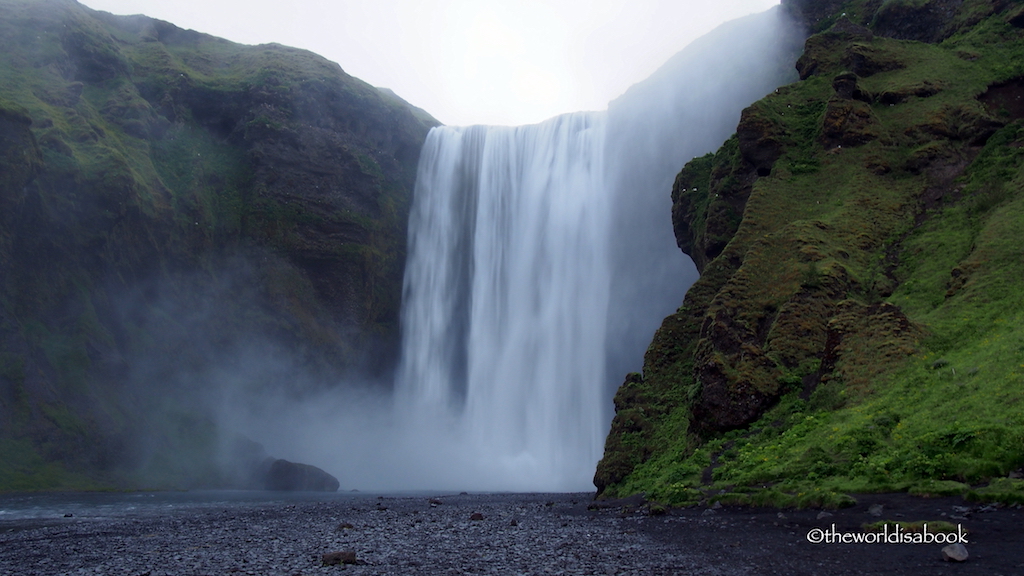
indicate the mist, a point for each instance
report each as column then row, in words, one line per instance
column 519, row 323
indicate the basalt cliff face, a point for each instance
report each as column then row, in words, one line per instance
column 169, row 202
column 856, row 325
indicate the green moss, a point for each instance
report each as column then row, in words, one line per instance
column 1001, row 490
column 934, row 488
column 25, row 470
column 853, row 270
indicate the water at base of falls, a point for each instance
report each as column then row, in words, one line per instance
column 506, row 298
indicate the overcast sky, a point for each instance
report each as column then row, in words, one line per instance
column 469, row 61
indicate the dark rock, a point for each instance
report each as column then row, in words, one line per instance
column 344, row 526
column 759, row 140
column 814, row 13
column 823, row 52
column 724, row 403
column 846, row 88
column 924, row 89
column 848, row 123
column 1016, row 17
column 337, row 558
column 476, row 516
column 929, row 21
column 290, row 476
column 966, row 122
column 1005, row 100
column 866, row 60
column 846, row 28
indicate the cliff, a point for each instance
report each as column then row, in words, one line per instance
column 172, row 205
column 856, row 326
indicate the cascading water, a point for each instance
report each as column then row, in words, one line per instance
column 541, row 261
column 506, row 295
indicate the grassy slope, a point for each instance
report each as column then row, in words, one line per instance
column 933, row 406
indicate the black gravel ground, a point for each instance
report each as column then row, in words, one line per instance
column 513, row 534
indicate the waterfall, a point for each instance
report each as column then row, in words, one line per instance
column 541, row 260
column 506, row 294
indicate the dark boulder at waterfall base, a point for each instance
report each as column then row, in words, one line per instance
column 294, row 477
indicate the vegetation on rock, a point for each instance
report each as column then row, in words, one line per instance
column 170, row 201
column 857, row 324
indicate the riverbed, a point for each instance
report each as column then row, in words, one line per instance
column 224, row 533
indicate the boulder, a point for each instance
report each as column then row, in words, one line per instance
column 955, row 553
column 292, row 476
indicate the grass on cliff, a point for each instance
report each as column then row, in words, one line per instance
column 936, row 415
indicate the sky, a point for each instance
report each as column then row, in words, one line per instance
column 502, row 62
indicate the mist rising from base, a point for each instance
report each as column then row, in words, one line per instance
column 542, row 259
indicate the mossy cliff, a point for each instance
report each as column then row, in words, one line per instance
column 170, row 201
column 858, row 322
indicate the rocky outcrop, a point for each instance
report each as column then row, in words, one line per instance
column 710, row 194
column 819, row 14
column 293, row 477
column 841, row 45
column 931, row 21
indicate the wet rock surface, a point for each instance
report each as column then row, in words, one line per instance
column 520, row 534
column 285, row 475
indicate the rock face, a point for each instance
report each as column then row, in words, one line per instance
column 801, row 226
column 292, row 477
column 173, row 205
